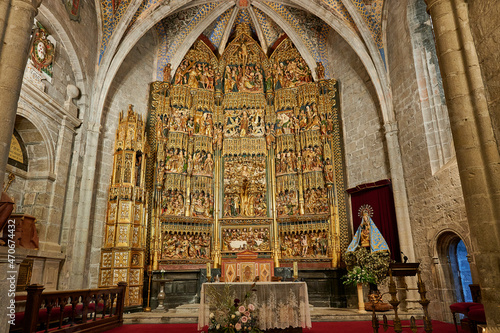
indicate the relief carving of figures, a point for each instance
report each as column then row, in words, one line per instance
column 244, row 185
column 244, row 123
column 203, row 163
column 288, row 203
column 175, row 161
column 316, row 201
column 201, row 204
column 312, row 159
column 286, row 162
column 172, row 203
column 179, row 120
column 196, row 75
column 291, row 73
column 203, row 123
column 243, row 78
column 187, row 245
column 304, row 244
column 285, row 123
column 240, row 239
column 309, row 119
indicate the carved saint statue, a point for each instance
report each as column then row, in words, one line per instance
column 167, row 73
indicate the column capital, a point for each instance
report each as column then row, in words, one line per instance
column 391, row 127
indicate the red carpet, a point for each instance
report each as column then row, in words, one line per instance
column 318, row 327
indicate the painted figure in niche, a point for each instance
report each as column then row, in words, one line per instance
column 167, row 77
column 217, row 138
column 244, row 123
column 256, row 127
column 270, row 136
column 218, row 81
column 328, row 171
column 320, row 70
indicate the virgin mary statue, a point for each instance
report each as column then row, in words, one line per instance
column 368, row 235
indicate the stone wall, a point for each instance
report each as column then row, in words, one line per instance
column 130, row 86
column 436, row 202
column 365, row 152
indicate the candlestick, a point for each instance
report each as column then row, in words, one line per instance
column 209, row 272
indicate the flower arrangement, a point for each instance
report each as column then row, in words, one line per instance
column 232, row 315
column 375, row 264
column 358, row 275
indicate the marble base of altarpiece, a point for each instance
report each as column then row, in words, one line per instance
column 324, row 286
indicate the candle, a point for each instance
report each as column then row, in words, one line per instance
column 208, row 270
column 295, row 269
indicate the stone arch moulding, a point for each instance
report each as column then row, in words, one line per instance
column 444, row 237
column 39, row 124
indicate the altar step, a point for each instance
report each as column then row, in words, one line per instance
column 188, row 314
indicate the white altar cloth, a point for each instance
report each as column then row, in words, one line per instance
column 278, row 304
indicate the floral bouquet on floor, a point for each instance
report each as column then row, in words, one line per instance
column 232, row 315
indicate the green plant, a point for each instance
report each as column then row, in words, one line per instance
column 358, row 275
column 375, row 263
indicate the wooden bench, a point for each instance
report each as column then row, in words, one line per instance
column 88, row 310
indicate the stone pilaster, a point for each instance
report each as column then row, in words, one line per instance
column 476, row 148
column 16, row 20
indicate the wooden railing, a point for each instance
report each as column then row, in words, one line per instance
column 89, row 310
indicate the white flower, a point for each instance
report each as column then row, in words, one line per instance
column 232, row 316
column 237, row 313
column 217, row 327
column 212, row 315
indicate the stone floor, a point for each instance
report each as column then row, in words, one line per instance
column 189, row 314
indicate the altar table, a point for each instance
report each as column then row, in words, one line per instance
column 279, row 305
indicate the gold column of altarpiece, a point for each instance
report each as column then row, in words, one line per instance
column 245, row 155
column 123, row 252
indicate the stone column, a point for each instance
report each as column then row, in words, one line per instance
column 16, row 21
column 476, row 148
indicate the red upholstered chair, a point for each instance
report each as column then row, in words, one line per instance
column 465, row 307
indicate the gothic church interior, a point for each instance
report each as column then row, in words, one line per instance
column 168, row 134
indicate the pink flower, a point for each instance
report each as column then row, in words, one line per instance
column 251, row 307
column 241, row 309
column 237, row 326
column 247, row 313
column 244, row 319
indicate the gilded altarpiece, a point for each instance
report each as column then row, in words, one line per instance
column 124, row 245
column 246, row 155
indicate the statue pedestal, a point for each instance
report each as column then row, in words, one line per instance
column 361, row 302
